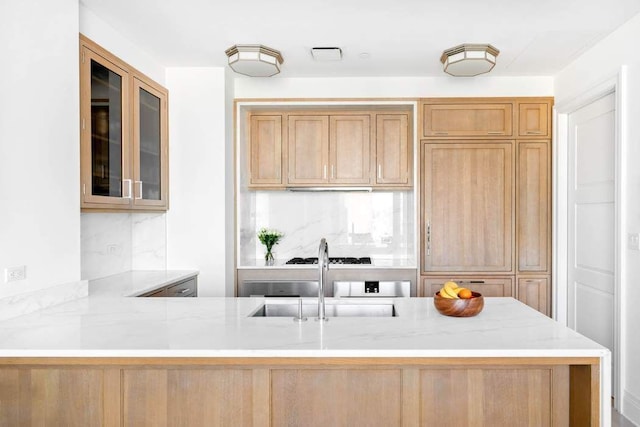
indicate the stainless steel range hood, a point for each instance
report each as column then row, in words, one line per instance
column 330, row 189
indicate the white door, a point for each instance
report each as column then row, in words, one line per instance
column 592, row 221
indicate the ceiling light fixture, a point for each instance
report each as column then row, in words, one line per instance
column 468, row 60
column 254, row 60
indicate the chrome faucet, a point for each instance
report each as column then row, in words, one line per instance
column 323, row 264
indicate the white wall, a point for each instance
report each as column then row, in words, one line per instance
column 595, row 66
column 196, row 223
column 229, row 201
column 392, row 87
column 109, row 38
column 39, row 143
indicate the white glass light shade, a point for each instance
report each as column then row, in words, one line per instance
column 254, row 60
column 468, row 60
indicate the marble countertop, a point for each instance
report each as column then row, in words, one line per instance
column 136, row 282
column 113, row 326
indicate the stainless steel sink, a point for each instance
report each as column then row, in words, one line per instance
column 333, row 309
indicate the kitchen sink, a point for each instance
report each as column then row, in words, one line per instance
column 332, row 309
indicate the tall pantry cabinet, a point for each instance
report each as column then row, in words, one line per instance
column 485, row 190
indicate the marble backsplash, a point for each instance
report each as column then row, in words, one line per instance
column 376, row 224
column 113, row 243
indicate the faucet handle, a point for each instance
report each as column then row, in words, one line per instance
column 299, row 317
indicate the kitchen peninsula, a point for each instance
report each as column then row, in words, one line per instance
column 109, row 360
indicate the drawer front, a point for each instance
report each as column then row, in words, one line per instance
column 488, row 287
column 186, row 288
column 157, row 293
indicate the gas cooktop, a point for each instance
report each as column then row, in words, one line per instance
column 338, row 260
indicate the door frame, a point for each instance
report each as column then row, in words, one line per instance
column 617, row 85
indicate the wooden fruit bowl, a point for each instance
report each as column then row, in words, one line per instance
column 459, row 307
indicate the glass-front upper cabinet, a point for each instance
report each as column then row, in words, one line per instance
column 149, row 144
column 104, row 132
column 123, row 135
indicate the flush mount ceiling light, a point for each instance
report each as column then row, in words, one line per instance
column 468, row 60
column 254, row 60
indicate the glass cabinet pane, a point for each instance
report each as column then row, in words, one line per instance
column 106, row 131
column 150, row 145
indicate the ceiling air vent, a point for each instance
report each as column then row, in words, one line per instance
column 326, row 53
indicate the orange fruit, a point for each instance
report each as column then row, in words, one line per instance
column 465, row 293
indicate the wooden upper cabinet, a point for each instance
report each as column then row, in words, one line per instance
column 393, row 150
column 123, row 135
column 349, row 147
column 308, row 149
column 150, row 147
column 534, row 119
column 533, row 206
column 265, row 150
column 467, row 207
column 466, row 119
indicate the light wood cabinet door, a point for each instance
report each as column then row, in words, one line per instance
column 265, row 150
column 467, row 120
column 536, row 293
column 533, row 206
column 393, row 154
column 105, row 137
column 308, row 149
column 534, row 119
column 467, row 207
column 488, row 287
column 150, row 146
column 349, row 147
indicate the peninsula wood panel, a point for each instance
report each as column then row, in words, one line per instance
column 308, row 149
column 321, row 397
column 488, row 287
column 187, row 397
column 533, row 206
column 349, row 148
column 278, row 391
column 393, row 152
column 534, row 119
column 51, row 397
column 467, row 119
column 485, row 397
column 266, row 150
column 536, row 293
column 467, row 196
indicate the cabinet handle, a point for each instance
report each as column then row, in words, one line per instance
column 495, row 133
column 379, row 171
column 534, row 132
column 324, row 172
column 333, row 175
column 126, row 188
column 428, row 238
column 138, row 194
column 441, row 133
column 185, row 290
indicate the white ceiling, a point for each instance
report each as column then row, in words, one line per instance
column 402, row 37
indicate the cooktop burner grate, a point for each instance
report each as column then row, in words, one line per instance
column 335, row 260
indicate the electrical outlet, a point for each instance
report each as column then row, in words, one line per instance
column 13, row 274
column 633, row 241
column 114, row 249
